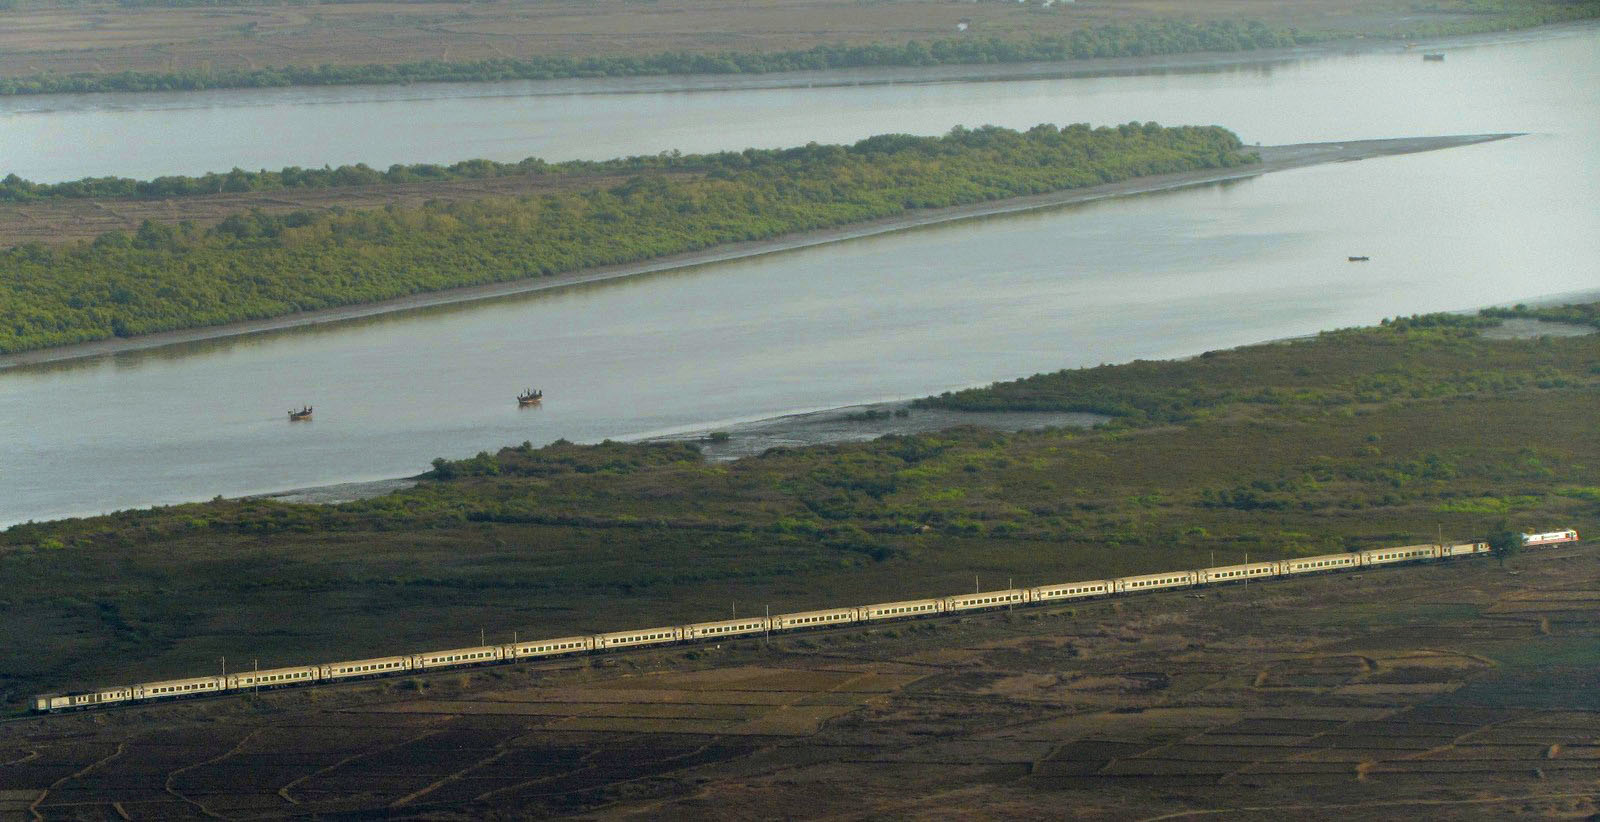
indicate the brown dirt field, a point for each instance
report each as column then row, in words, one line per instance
column 105, row 37
column 883, row 725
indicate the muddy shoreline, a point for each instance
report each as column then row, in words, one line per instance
column 725, row 443
column 1273, row 158
column 862, row 423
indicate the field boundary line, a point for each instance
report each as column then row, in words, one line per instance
column 33, row 807
column 1360, row 773
column 167, row 784
column 284, row 791
column 1456, row 741
column 501, row 750
column 30, row 755
column 584, row 763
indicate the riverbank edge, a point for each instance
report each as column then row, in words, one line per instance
column 858, row 422
column 1352, row 44
column 1273, row 158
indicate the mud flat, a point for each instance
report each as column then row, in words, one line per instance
column 340, row 492
column 859, row 423
column 853, row 423
column 1273, row 158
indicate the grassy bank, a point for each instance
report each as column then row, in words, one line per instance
column 258, row 265
column 1385, row 435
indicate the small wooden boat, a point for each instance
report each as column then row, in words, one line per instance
column 531, row 396
column 1359, row 259
column 303, row 415
column 1433, row 57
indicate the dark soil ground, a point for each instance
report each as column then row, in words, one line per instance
column 1451, row 692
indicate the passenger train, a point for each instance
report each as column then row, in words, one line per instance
column 748, row 626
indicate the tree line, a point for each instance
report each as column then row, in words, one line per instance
column 256, row 265
column 16, row 189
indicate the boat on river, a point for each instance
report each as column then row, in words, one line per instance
column 532, row 396
column 303, row 415
column 1359, row 259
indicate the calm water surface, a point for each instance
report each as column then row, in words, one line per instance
column 894, row 316
column 58, row 137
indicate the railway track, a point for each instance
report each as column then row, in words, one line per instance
column 586, row 659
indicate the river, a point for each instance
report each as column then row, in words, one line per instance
column 892, row 316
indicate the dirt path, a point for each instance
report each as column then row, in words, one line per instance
column 1274, row 158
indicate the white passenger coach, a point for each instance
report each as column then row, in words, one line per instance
column 1237, row 573
column 902, row 610
column 987, row 599
column 552, row 647
column 726, row 627
column 1326, row 562
column 481, row 655
column 1072, row 590
column 815, row 619
column 1405, row 553
column 642, row 636
column 274, row 677
column 748, row 626
column 1155, row 582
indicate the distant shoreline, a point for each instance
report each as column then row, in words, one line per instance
column 1354, row 44
column 1274, row 158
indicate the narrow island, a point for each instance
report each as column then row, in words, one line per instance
column 242, row 260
